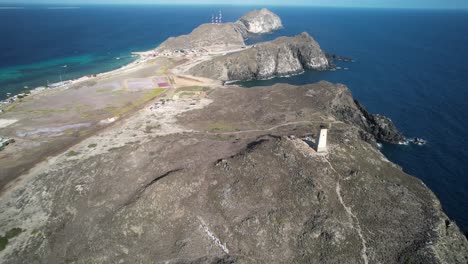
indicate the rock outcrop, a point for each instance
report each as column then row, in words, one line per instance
column 375, row 127
column 381, row 127
column 280, row 57
column 261, row 21
column 209, row 37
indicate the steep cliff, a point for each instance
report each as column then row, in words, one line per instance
column 283, row 56
column 381, row 127
column 375, row 127
column 261, row 21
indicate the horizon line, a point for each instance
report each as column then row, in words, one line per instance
column 77, row 5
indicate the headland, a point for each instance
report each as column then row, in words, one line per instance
column 163, row 162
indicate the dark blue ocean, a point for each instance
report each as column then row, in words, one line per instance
column 411, row 65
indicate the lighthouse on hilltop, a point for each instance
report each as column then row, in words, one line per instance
column 322, row 139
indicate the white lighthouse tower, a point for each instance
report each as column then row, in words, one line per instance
column 322, row 140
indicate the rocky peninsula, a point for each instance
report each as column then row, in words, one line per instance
column 225, row 36
column 196, row 171
column 280, row 57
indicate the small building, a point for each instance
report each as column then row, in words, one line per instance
column 322, row 139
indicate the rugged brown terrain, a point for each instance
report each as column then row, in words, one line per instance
column 148, row 165
column 229, row 176
column 206, row 37
column 280, row 57
column 221, row 36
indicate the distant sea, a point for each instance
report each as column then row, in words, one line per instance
column 410, row 65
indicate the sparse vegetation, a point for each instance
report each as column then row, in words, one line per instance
column 11, row 107
column 221, row 126
column 163, row 69
column 154, row 93
column 72, row 153
column 13, row 232
column 131, row 105
column 92, row 145
column 69, row 131
column 101, row 90
column 149, row 128
column 45, row 111
column 110, row 109
column 188, row 94
column 9, row 235
column 118, row 92
column 88, row 83
column 3, row 242
column 114, row 149
column 79, row 107
column 193, row 89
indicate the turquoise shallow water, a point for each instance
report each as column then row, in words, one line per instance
column 410, row 65
column 37, row 41
column 24, row 77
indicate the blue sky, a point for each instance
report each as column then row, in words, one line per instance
column 451, row 4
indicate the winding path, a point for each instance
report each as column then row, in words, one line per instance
column 352, row 217
column 274, row 127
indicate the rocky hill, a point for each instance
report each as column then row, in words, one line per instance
column 209, row 37
column 205, row 37
column 283, row 56
column 261, row 21
column 219, row 174
column 238, row 182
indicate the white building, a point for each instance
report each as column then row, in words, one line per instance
column 322, row 140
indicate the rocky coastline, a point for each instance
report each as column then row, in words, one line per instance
column 280, row 57
column 204, row 172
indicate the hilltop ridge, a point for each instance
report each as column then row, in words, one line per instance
column 221, row 36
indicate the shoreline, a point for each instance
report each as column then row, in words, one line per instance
column 142, row 57
column 50, row 120
column 139, row 151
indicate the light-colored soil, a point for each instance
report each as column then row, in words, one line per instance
column 49, row 122
column 7, row 122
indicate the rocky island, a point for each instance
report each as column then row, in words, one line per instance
column 194, row 171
